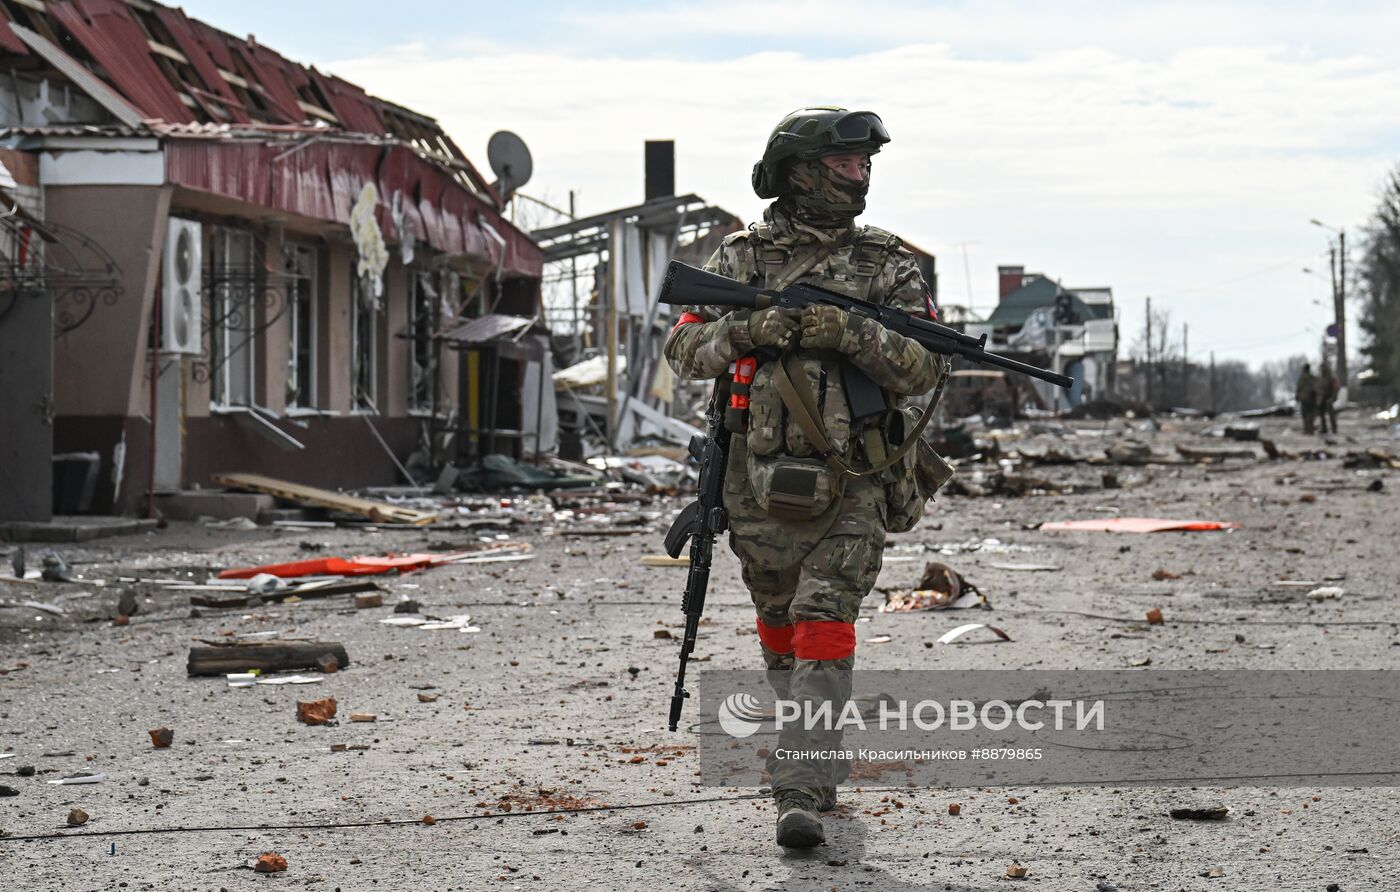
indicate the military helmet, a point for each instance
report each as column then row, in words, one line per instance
column 812, row 132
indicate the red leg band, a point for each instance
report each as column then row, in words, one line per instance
column 778, row 639
column 823, row 640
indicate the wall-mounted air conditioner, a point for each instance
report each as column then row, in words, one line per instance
column 180, row 300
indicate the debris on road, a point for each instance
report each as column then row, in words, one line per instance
column 1326, row 593
column 316, row 712
column 368, row 565
column 954, row 809
column 940, row 588
column 369, row 601
column 1154, row 617
column 77, row 817
column 379, row 512
column 1131, row 452
column 1213, row 811
column 80, row 778
column 161, row 738
column 461, row 622
column 665, row 560
column 953, row 635
column 249, row 679
column 1137, row 525
column 1211, row 456
column 220, row 658
column 363, row 717
column 269, row 862
column 1016, row 871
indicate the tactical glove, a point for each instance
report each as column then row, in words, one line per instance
column 829, row 328
column 773, row 327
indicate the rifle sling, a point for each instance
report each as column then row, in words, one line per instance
column 802, row 405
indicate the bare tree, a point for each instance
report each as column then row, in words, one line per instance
column 1379, row 280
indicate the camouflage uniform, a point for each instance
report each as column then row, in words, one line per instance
column 807, row 579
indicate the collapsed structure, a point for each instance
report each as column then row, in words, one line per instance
column 216, row 259
column 1068, row 330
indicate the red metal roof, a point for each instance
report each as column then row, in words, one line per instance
column 321, row 178
column 246, row 130
column 107, row 32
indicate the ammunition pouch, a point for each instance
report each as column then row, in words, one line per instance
column 794, row 490
column 914, row 478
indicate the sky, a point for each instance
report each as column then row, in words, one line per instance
column 1172, row 150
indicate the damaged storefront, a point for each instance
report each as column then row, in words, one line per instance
column 292, row 248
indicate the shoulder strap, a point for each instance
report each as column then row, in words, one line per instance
column 873, row 247
column 802, row 405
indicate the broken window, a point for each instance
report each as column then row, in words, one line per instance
column 233, row 281
column 302, row 327
column 363, row 343
column 422, row 360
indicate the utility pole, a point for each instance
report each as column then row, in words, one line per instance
column 1148, row 358
column 1185, row 370
column 1340, row 302
column 1212, row 382
column 1339, row 299
column 573, row 291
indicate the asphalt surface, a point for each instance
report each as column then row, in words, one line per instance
column 540, row 751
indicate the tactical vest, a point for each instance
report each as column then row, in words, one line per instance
column 852, row 269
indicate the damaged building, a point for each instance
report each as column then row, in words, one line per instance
column 1072, row 331
column 218, row 259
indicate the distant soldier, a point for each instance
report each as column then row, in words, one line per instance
column 1327, row 390
column 1306, row 394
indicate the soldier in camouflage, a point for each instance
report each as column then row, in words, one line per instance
column 807, row 575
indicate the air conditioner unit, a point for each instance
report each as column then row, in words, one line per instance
column 180, row 300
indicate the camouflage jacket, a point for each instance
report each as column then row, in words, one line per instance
column 865, row 262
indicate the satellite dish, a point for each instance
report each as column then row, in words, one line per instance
column 510, row 161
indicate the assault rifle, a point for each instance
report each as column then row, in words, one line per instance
column 706, row 518
column 686, row 285
column 700, row 522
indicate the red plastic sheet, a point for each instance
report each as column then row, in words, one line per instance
column 1138, row 525
column 355, row 566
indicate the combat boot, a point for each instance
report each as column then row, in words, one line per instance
column 827, row 800
column 799, row 825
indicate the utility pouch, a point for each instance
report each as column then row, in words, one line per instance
column 912, row 480
column 791, row 489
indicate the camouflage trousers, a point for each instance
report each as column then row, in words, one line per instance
column 807, row 596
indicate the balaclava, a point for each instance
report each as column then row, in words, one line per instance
column 820, row 197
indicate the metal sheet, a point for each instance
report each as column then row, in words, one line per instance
column 485, row 329
column 106, row 30
column 100, row 93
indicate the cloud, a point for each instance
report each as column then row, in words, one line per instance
column 1148, row 171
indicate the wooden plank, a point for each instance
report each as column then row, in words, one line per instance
column 379, row 512
column 275, row 656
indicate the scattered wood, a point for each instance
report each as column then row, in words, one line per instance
column 1212, row 455
column 237, row 597
column 270, row 656
column 379, row 512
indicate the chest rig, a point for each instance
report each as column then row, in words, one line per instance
column 851, row 264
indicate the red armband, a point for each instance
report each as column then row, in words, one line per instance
column 686, row 319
